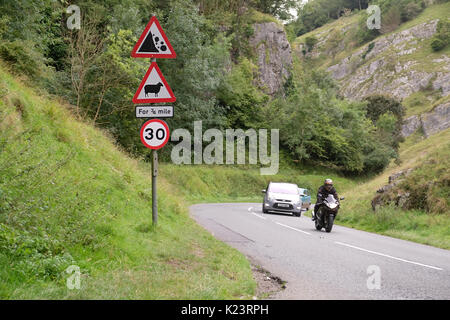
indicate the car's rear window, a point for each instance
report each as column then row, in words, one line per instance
column 283, row 188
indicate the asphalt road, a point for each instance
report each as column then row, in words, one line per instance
column 343, row 264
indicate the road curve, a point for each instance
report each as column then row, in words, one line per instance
column 343, row 264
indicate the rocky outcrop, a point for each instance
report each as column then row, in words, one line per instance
column 274, row 56
column 377, row 70
column 411, row 125
column 389, row 194
column 431, row 123
column 437, row 120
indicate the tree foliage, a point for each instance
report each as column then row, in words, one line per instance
column 213, row 76
column 319, row 127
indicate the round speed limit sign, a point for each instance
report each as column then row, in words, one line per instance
column 155, row 134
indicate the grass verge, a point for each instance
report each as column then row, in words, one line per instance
column 68, row 196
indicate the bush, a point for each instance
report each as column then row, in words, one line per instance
column 369, row 48
column 365, row 34
column 410, row 11
column 320, row 128
column 391, row 19
column 437, row 45
column 311, row 42
column 377, row 105
column 442, row 37
column 23, row 58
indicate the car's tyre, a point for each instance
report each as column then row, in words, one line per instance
column 297, row 214
column 264, row 210
column 330, row 223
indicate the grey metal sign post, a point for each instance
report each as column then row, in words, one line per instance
column 153, row 43
column 154, row 184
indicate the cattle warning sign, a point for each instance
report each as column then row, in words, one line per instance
column 153, row 43
column 154, row 88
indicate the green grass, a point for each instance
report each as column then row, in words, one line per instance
column 259, row 17
column 431, row 155
column 202, row 183
column 68, row 196
column 423, row 101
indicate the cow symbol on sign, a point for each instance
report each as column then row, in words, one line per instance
column 153, row 88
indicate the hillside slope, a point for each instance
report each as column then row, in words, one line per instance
column 429, row 161
column 400, row 63
column 403, row 65
column 69, row 197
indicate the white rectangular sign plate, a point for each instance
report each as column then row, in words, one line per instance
column 154, row 112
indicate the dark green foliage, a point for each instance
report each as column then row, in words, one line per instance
column 278, row 8
column 369, row 48
column 316, row 13
column 243, row 100
column 363, row 33
column 428, row 185
column 377, row 105
column 95, row 73
column 393, row 13
column 412, row 10
column 318, row 127
column 437, row 45
column 442, row 37
column 21, row 55
column 310, row 43
column 387, row 115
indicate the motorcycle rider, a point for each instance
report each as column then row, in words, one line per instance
column 323, row 192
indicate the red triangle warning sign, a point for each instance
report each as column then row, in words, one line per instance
column 154, row 88
column 153, row 43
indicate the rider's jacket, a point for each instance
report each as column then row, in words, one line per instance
column 323, row 193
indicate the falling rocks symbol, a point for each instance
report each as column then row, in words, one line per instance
column 153, row 44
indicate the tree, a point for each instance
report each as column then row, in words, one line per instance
column 85, row 45
column 278, row 8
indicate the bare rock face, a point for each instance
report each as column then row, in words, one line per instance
column 411, row 125
column 443, row 82
column 437, row 120
column 368, row 72
column 431, row 122
column 274, row 56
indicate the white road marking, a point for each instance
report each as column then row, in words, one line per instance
column 293, row 228
column 259, row 216
column 388, row 256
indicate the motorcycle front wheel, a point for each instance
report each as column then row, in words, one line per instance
column 330, row 223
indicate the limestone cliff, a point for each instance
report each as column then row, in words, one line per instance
column 273, row 53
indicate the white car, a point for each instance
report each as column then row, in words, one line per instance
column 282, row 197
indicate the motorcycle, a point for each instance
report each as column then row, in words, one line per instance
column 327, row 213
